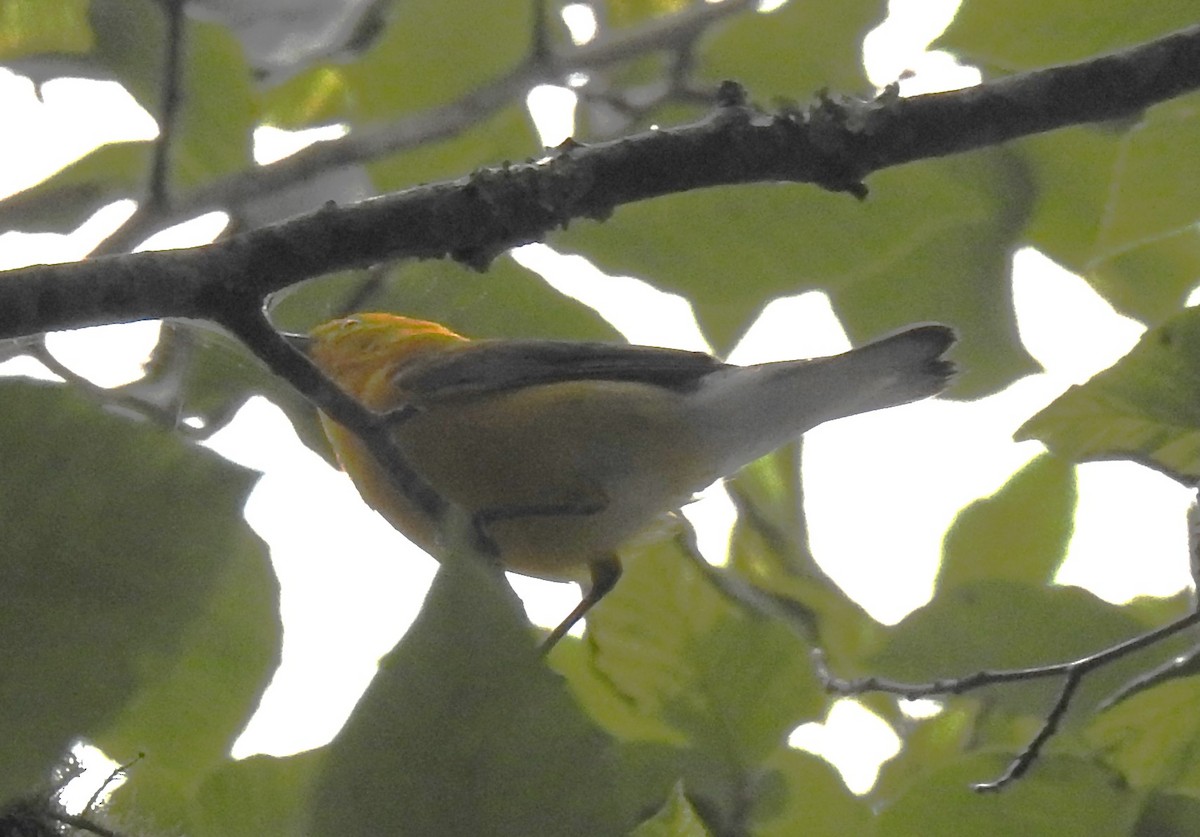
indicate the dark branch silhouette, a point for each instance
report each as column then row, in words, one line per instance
column 834, row 144
column 1072, row 673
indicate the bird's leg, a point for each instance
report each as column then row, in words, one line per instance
column 605, row 574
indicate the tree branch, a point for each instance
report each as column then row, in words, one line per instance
column 157, row 198
column 1072, row 673
column 833, row 144
column 234, row 192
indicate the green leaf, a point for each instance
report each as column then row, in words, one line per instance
column 1103, row 191
column 676, row 818
column 802, row 794
column 432, row 53
column 32, row 27
column 505, row 301
column 1150, row 281
column 794, row 51
column 121, row 544
column 504, row 137
column 1113, row 205
column 217, row 114
column 623, row 13
column 187, row 720
column 1062, row 796
column 261, row 795
column 931, row 743
column 734, row 682
column 1020, row 533
column 465, row 731
column 1027, row 34
column 1000, row 624
column 1168, row 815
column 1145, row 407
column 610, row 709
column 63, row 201
column 1153, row 738
column 932, row 242
column 769, row 549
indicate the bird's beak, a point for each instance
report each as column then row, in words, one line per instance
column 299, row 342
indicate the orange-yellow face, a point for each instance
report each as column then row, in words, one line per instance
column 363, row 352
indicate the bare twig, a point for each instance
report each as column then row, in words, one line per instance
column 1183, row 665
column 372, row 428
column 1071, row 672
column 157, row 198
column 540, row 48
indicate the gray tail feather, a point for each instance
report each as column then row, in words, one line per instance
column 753, row 410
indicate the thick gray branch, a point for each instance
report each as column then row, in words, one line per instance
column 834, row 144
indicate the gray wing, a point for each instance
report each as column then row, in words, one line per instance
column 496, row 365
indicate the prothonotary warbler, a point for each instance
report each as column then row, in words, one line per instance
column 563, row 452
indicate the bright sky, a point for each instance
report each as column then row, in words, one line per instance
column 853, row 469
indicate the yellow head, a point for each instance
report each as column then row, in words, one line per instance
column 364, row 352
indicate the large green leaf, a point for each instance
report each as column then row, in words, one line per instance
column 1150, row 281
column 1012, row 35
column 676, row 818
column 32, row 27
column 123, row 551
column 932, row 242
column 186, row 721
column 1113, row 200
column 734, row 682
column 802, row 794
column 432, row 53
column 502, row 138
column 795, row 51
column 505, row 301
column 1062, row 796
column 1153, row 738
column 1000, row 624
column 1146, row 407
column 1020, row 533
column 465, row 731
column 218, row 109
column 64, row 200
column 255, row 797
column 1114, row 205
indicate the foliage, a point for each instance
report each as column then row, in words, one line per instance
column 138, row 611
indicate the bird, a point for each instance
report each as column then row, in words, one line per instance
column 563, row 453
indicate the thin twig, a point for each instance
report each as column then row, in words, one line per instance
column 539, row 48
column 1183, row 665
column 1072, row 672
column 1029, row 753
column 374, row 429
column 157, row 198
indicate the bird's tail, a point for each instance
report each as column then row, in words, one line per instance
column 748, row 411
